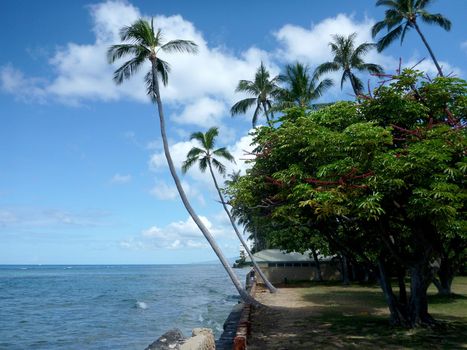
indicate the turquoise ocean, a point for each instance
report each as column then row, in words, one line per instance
column 109, row 307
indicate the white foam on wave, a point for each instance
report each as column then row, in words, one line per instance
column 141, row 305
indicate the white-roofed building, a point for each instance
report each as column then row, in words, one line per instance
column 282, row 267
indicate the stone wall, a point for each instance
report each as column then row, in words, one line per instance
column 201, row 339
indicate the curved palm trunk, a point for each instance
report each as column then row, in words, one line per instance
column 243, row 294
column 354, row 87
column 268, row 284
column 438, row 67
column 265, row 107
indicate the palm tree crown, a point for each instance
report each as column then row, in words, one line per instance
column 348, row 58
column 401, row 16
column 207, row 154
column 263, row 89
column 144, row 43
column 301, row 89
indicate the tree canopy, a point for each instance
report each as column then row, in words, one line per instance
column 382, row 182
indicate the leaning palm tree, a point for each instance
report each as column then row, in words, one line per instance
column 205, row 156
column 401, row 16
column 348, row 58
column 143, row 43
column 301, row 89
column 263, row 91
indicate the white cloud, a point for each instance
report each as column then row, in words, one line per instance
column 82, row 71
column 205, row 112
column 119, row 179
column 426, row 65
column 180, row 234
column 240, row 149
column 312, row 45
column 164, row 191
column 25, row 89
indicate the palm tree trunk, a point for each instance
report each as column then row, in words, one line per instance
column 354, row 87
column 268, row 284
column 243, row 294
column 265, row 107
column 429, row 49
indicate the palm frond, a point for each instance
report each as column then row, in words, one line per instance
column 386, row 40
column 219, row 166
column 163, row 69
column 436, row 18
column 187, row 46
column 371, row 67
column 224, row 153
column 203, row 164
column 187, row 164
column 407, row 27
column 327, row 67
column 321, row 88
column 195, row 152
column 389, row 3
column 362, row 49
column 140, row 33
column 210, row 138
column 357, row 82
column 247, row 86
column 242, row 106
column 377, row 27
column 126, row 70
column 116, row 52
column 198, row 136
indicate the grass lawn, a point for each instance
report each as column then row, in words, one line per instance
column 356, row 317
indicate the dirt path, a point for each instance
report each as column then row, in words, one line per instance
column 281, row 325
column 293, row 319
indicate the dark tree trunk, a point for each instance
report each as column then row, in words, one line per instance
column 438, row 67
column 402, row 290
column 420, row 279
column 345, row 270
column 445, row 278
column 398, row 314
column 266, row 113
column 317, row 264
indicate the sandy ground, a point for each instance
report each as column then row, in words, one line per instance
column 281, row 325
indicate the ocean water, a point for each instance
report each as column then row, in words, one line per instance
column 109, row 307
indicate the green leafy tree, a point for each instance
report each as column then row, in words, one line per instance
column 301, row 89
column 348, row 59
column 401, row 16
column 263, row 89
column 144, row 44
column 381, row 182
column 208, row 158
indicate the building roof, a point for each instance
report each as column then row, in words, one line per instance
column 276, row 255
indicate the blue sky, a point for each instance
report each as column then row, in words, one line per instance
column 82, row 175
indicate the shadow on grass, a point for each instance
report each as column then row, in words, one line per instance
column 445, row 299
column 373, row 331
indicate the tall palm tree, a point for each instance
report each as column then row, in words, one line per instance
column 301, row 89
column 143, row 43
column 263, row 89
column 349, row 58
column 205, row 156
column 401, row 16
